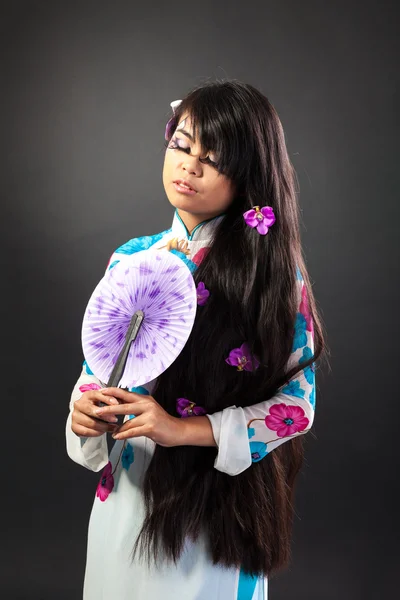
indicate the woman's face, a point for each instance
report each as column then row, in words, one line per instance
column 213, row 192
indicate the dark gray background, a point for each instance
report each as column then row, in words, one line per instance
column 85, row 97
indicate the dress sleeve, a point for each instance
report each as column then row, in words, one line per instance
column 246, row 435
column 90, row 452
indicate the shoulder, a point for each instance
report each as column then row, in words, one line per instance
column 135, row 245
column 141, row 243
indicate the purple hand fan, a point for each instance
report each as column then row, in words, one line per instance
column 139, row 318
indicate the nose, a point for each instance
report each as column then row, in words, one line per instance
column 192, row 166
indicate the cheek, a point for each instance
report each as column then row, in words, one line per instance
column 171, row 161
column 168, row 165
column 222, row 189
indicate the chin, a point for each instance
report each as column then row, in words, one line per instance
column 183, row 203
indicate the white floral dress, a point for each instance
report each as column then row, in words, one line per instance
column 243, row 436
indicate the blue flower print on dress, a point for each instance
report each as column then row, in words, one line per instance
column 300, row 332
column 141, row 243
column 87, row 368
column 138, row 390
column 293, row 388
column 258, row 451
column 114, row 262
column 309, row 373
column 298, row 274
column 127, row 456
column 189, row 263
column 251, row 432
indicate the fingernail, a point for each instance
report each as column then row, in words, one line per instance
column 113, row 401
column 99, row 411
column 110, row 419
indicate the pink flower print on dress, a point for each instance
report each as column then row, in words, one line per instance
column 261, row 218
column 286, row 419
column 200, row 255
column 241, row 358
column 186, row 408
column 106, row 483
column 202, row 294
column 305, row 310
column 86, row 387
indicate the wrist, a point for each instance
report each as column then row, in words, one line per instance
column 196, row 431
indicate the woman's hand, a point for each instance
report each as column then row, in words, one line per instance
column 150, row 420
column 85, row 421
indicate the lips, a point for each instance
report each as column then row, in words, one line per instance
column 185, row 183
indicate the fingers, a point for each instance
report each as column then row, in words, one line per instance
column 136, row 408
column 84, row 425
column 134, row 428
column 104, row 401
column 131, row 433
column 133, row 423
column 123, row 395
column 90, row 400
column 98, row 396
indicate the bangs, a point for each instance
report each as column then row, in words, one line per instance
column 219, row 131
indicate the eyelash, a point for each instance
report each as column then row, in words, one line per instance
column 176, row 147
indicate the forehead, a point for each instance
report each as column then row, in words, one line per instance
column 185, row 123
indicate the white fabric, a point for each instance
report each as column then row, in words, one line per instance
column 115, row 522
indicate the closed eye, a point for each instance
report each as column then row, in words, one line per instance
column 173, row 145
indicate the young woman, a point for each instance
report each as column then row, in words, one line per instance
column 195, row 500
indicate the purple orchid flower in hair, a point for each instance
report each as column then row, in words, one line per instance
column 261, row 218
column 241, row 358
column 186, row 408
column 172, row 122
column 202, row 294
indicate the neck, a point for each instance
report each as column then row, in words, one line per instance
column 191, row 221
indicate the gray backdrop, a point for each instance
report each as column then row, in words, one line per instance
column 85, row 96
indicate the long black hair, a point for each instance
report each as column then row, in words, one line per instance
column 246, row 519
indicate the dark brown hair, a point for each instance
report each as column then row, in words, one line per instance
column 246, row 519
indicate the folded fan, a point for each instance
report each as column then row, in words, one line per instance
column 139, row 318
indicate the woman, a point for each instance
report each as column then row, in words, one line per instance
column 201, row 507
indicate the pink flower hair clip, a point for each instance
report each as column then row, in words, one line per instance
column 261, row 218
column 186, row 408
